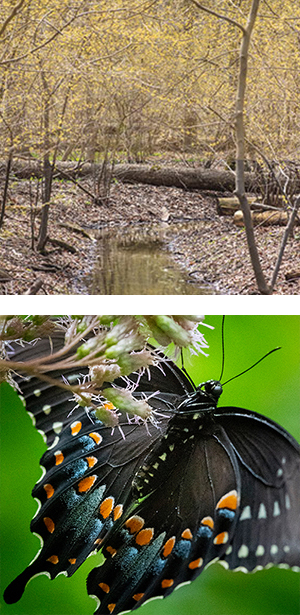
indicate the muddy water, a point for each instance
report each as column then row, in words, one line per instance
column 135, row 260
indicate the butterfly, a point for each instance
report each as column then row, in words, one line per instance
column 161, row 500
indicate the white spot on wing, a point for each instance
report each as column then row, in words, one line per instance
column 246, row 513
column 57, row 427
column 276, row 510
column 262, row 513
column 243, row 551
column 274, row 549
column 260, row 551
column 46, row 409
column 287, row 501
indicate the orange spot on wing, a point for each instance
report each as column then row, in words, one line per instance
column 58, row 457
column 118, row 511
column 49, row 490
column 109, row 406
column 50, row 525
column 86, row 483
column 168, row 547
column 167, row 583
column 106, row 507
column 134, row 524
column 229, row 500
column 221, row 538
column 111, row 607
column 137, row 597
column 53, row 559
column 104, row 587
column 196, row 563
column 187, row 534
column 208, row 521
column 111, row 550
column 144, row 536
column 96, row 437
column 76, row 427
column 72, row 560
column 91, row 461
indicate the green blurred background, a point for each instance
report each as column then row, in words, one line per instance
column 271, row 388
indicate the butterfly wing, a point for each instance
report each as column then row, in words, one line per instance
column 52, row 408
column 190, row 494
column 268, row 529
column 88, row 469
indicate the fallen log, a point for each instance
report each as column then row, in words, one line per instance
column 228, row 205
column 265, row 218
column 292, row 275
column 181, row 177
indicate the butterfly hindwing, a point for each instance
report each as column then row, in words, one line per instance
column 268, row 530
column 185, row 520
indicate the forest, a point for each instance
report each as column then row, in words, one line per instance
column 97, row 98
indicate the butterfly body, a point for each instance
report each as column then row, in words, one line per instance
column 162, row 500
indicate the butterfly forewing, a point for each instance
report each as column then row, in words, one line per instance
column 52, row 408
column 88, row 467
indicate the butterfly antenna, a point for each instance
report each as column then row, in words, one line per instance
column 223, row 348
column 185, row 371
column 254, row 364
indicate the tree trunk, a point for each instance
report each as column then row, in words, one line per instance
column 240, row 150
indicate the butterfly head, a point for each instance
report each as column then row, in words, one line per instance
column 211, row 388
column 203, row 399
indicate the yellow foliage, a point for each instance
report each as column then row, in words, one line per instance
column 136, row 75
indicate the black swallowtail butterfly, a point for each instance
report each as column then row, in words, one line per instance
column 205, row 483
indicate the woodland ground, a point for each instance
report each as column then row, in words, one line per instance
column 217, row 254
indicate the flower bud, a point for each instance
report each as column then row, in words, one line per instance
column 87, row 347
column 135, row 361
column 172, row 330
column 83, row 400
column 107, row 415
column 104, row 373
column 125, row 345
column 124, row 401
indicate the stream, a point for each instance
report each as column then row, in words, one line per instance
column 134, row 260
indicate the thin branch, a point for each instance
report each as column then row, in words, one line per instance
column 11, row 16
column 219, row 15
column 286, row 235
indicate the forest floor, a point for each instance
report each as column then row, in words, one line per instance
column 215, row 253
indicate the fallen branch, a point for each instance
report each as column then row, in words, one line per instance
column 62, row 244
column 34, row 289
column 76, row 229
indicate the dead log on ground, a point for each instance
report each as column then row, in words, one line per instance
column 156, row 175
column 265, row 218
column 227, row 206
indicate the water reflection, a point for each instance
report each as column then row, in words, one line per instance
column 134, row 261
